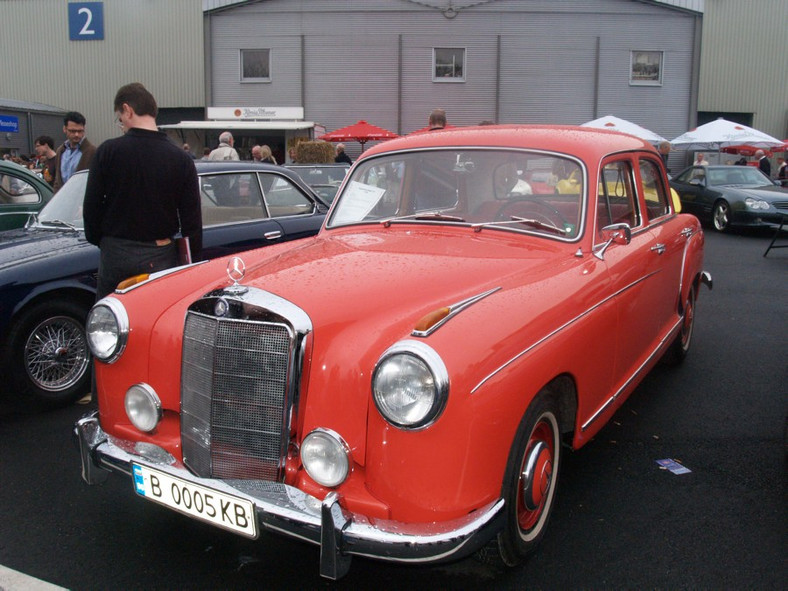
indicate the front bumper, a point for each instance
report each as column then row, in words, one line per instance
column 287, row 510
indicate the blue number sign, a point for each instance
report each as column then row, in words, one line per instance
column 85, row 21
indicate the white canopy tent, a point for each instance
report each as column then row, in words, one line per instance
column 624, row 126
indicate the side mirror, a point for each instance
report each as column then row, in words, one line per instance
column 614, row 233
column 618, row 233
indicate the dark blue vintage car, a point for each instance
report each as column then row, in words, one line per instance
column 48, row 270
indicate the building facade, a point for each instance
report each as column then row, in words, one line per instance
column 507, row 61
column 75, row 55
column 743, row 64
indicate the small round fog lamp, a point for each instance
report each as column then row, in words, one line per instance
column 326, row 457
column 143, row 407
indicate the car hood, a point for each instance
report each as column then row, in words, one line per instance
column 395, row 276
column 26, row 246
column 363, row 291
column 768, row 193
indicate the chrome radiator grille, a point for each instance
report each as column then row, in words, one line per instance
column 234, row 396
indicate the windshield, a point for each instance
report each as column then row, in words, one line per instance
column 66, row 205
column 517, row 190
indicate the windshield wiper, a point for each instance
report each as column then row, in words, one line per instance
column 423, row 215
column 59, row 223
column 518, row 220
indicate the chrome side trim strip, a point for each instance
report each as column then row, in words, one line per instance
column 562, row 327
column 454, row 309
column 670, row 335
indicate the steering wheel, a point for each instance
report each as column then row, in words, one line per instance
column 559, row 219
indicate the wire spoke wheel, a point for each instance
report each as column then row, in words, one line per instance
column 56, row 354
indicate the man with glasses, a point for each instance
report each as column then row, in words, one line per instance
column 142, row 193
column 76, row 153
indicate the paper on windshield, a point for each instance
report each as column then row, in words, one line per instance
column 357, row 201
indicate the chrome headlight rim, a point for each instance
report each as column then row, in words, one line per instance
column 121, row 317
column 339, row 445
column 149, row 397
column 440, row 376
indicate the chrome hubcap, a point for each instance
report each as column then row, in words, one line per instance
column 536, row 476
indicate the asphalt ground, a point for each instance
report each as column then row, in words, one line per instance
column 620, row 521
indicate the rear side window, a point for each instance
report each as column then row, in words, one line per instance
column 617, row 202
column 283, row 198
column 653, row 190
column 230, row 198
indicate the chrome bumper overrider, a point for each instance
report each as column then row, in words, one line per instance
column 287, row 510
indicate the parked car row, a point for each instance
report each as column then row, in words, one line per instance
column 48, row 269
column 404, row 385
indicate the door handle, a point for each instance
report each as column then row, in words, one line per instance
column 275, row 235
column 658, row 248
column 687, row 232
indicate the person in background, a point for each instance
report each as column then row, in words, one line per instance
column 225, row 151
column 763, row 163
column 266, row 155
column 188, row 150
column 341, row 156
column 700, row 160
column 142, row 191
column 256, row 154
column 782, row 169
column 76, row 153
column 664, row 152
column 206, row 153
column 293, row 153
column 437, row 119
column 47, row 157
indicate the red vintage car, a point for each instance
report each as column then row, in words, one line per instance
column 399, row 387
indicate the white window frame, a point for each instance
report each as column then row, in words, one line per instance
column 436, row 78
column 639, row 56
column 253, row 79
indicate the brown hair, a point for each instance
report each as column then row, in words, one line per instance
column 138, row 98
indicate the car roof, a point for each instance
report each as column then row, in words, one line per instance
column 585, row 142
column 204, row 166
column 14, row 167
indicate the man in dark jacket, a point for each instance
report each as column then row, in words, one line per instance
column 142, row 191
column 763, row 163
column 76, row 153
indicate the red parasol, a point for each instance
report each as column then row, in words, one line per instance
column 361, row 132
column 746, row 150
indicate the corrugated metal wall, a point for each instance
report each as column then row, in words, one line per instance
column 535, row 61
column 736, row 76
column 157, row 43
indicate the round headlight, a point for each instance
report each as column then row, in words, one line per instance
column 107, row 329
column 410, row 385
column 326, row 457
column 143, row 407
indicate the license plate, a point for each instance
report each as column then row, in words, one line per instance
column 203, row 503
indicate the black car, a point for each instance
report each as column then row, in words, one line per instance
column 48, row 270
column 324, row 179
column 728, row 196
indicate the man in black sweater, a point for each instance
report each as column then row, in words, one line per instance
column 142, row 190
